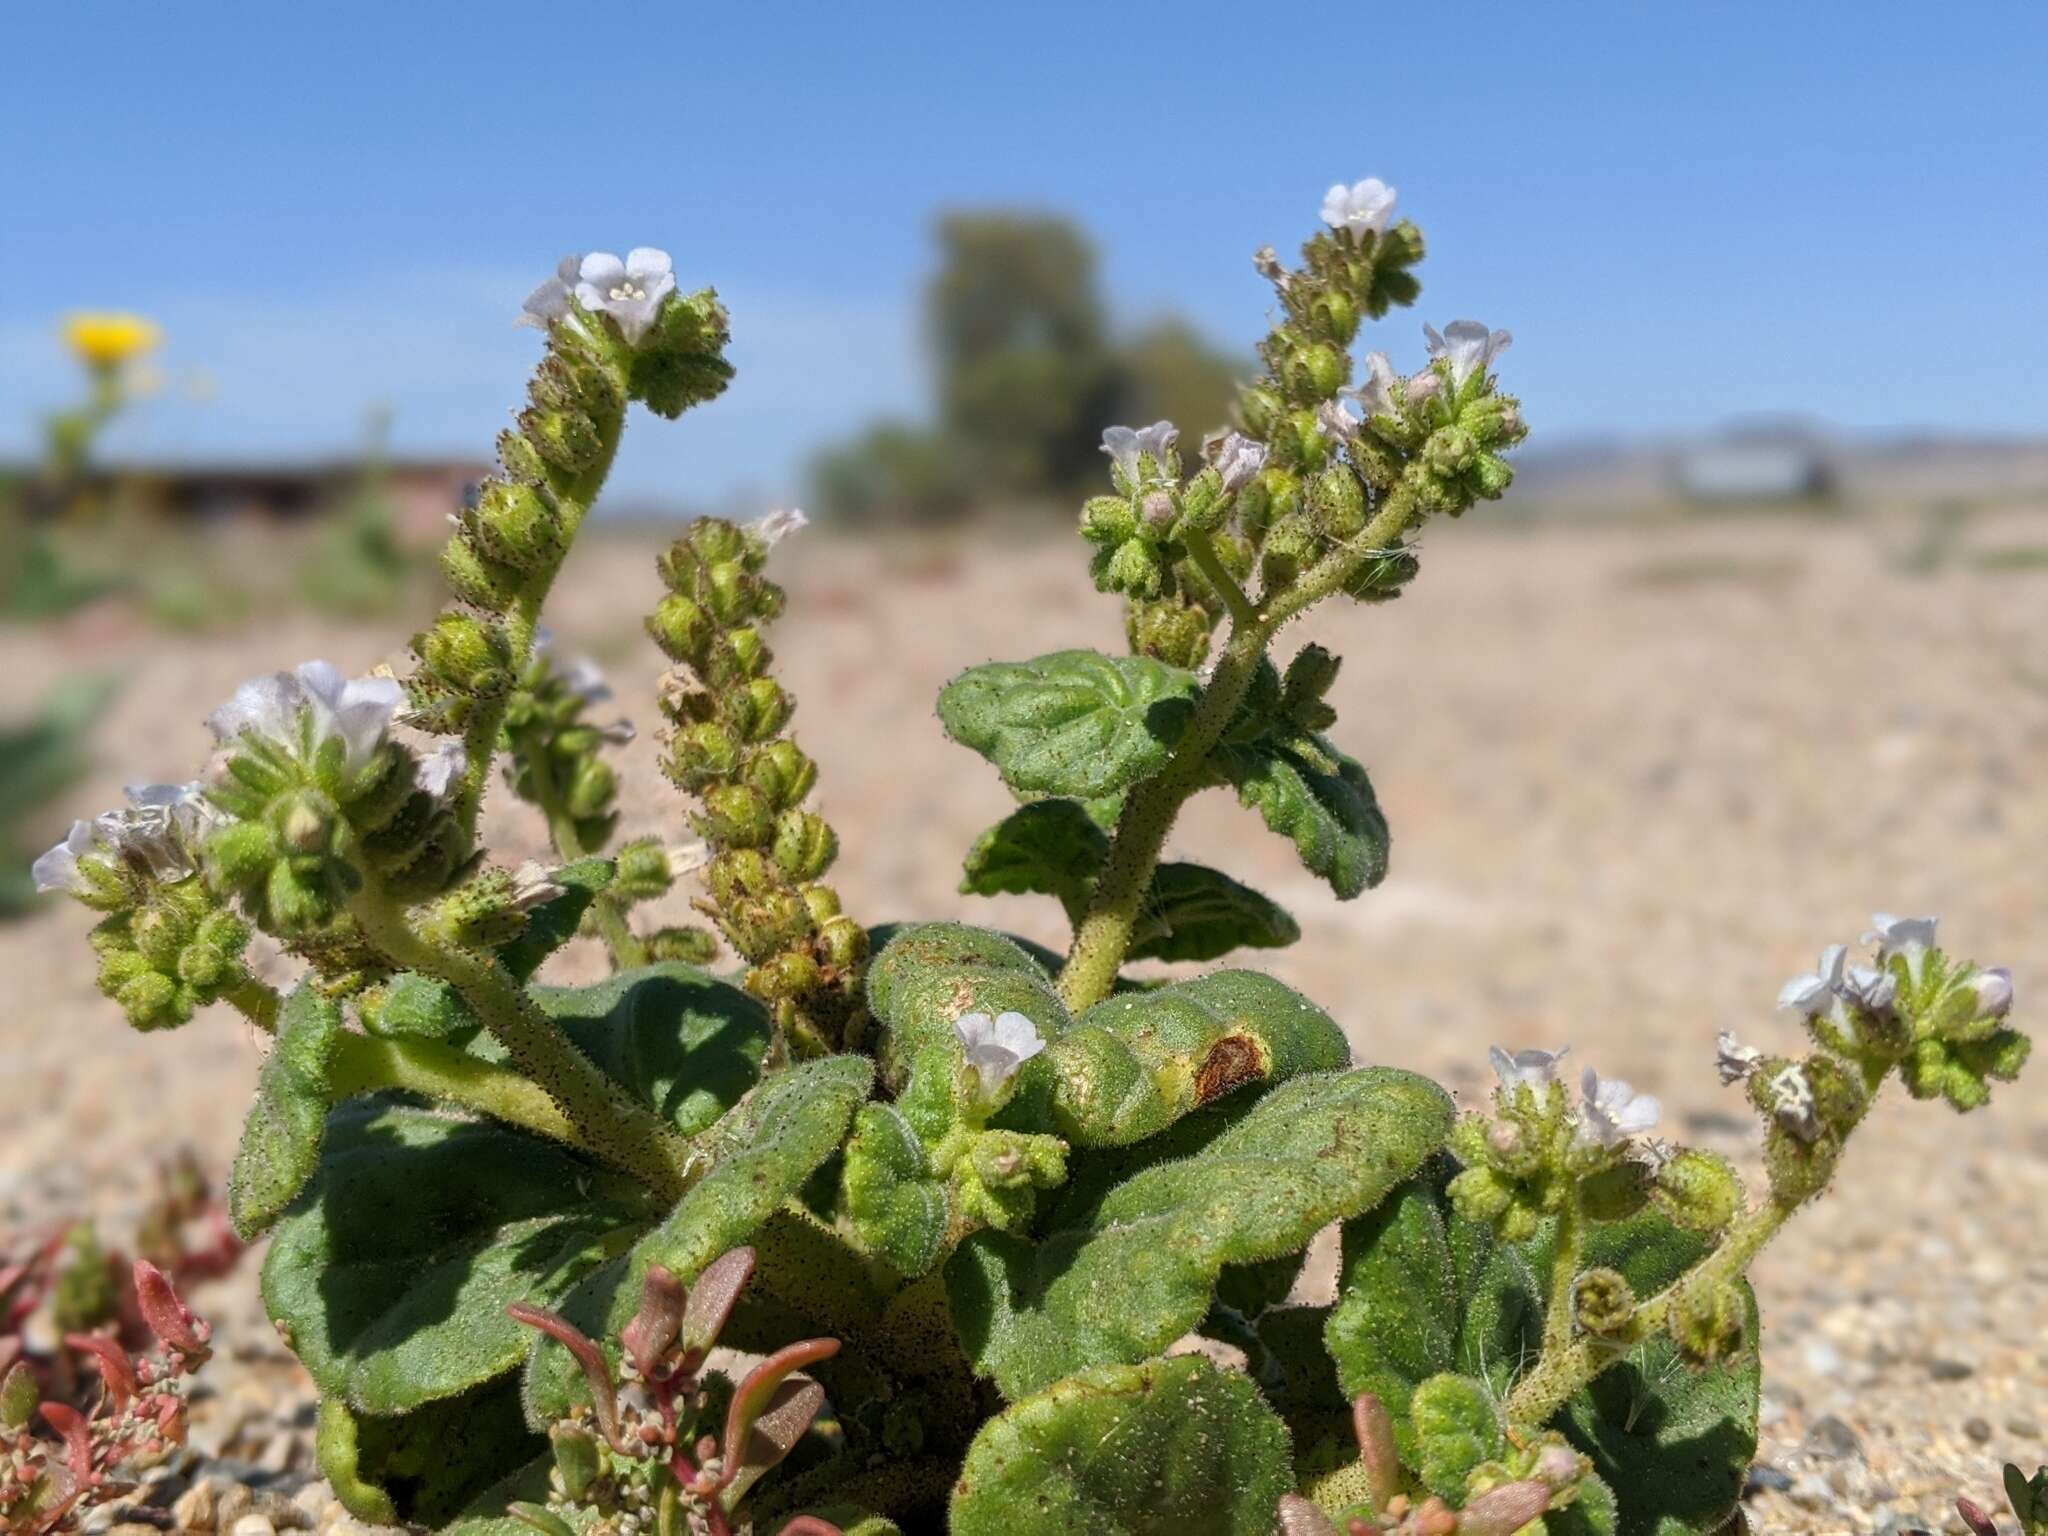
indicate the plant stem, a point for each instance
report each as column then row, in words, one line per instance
column 257, row 1002
column 1564, row 1273
column 606, row 915
column 1201, row 547
column 611, row 1125
column 368, row 1063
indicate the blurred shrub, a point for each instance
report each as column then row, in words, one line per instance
column 359, row 569
column 39, row 759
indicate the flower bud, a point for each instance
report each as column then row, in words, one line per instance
column 641, row 870
column 782, row 774
column 701, row 755
column 759, row 709
column 1132, row 568
column 590, row 791
column 842, row 944
column 1204, row 506
column 1603, row 1300
column 1698, row 1191
column 1448, row 450
column 1170, row 630
column 1334, row 316
column 1291, row 544
column 789, row 975
column 736, row 657
column 690, row 946
column 1158, row 513
column 1709, row 1320
column 1316, row 372
column 1260, row 408
column 737, row 816
column 1108, row 520
column 516, row 525
column 1337, row 501
column 475, row 578
column 681, row 628
column 565, row 440
column 804, row 845
column 739, row 874
column 466, row 654
column 1994, row 993
column 821, row 902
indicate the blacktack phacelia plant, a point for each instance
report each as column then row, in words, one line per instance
column 966, row 1197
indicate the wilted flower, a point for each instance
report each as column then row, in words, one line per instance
column 1376, row 395
column 1237, row 459
column 1363, row 207
column 1792, row 1103
column 1125, row 444
column 158, row 831
column 1734, row 1060
column 1335, row 420
column 1613, row 1111
column 1267, row 261
column 630, row 291
column 779, row 525
column 354, row 711
column 442, row 767
column 1809, row 995
column 1470, row 346
column 1994, row 992
column 533, row 886
column 1900, row 935
column 997, row 1047
column 550, row 301
column 688, row 858
column 1533, row 1069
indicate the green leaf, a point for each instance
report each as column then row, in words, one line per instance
column 281, row 1139
column 426, row 1466
column 1425, row 1292
column 933, row 973
column 391, row 1280
column 1056, row 848
column 1140, row 1269
column 895, row 1203
column 1072, row 723
column 421, row 1007
column 683, row 1042
column 759, row 1155
column 1307, row 790
column 1167, row 1448
column 553, row 923
column 1133, row 1064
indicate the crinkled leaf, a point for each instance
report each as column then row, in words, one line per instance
column 895, row 1203
column 1196, row 913
column 1140, row 1271
column 1424, row 1292
column 553, row 923
column 426, row 1466
column 1072, row 723
column 1046, row 848
column 933, row 973
column 281, row 1139
column 683, row 1042
column 391, row 1279
column 758, row 1156
column 1307, row 790
column 1168, row 1448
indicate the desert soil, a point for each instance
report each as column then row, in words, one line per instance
column 1634, row 786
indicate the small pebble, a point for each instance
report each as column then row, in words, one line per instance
column 2026, row 1429
column 1831, row 1439
column 1764, row 1476
column 133, row 1528
column 312, row 1500
column 1950, row 1370
column 235, row 1501
column 253, row 1525
column 1977, row 1429
column 195, row 1509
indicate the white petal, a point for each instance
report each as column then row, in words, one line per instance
column 1121, row 444
column 440, row 768
column 644, row 261
column 264, row 705
column 1734, row 1060
column 57, row 870
column 777, row 526
column 1015, row 1033
column 1994, row 992
column 601, row 270
column 1337, row 205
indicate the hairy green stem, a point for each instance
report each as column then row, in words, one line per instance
column 611, row 1125
column 606, row 915
column 1201, row 547
column 368, row 1064
column 1564, row 1272
column 256, row 1000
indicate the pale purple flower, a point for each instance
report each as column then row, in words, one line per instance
column 440, row 769
column 1125, row 444
column 1470, row 347
column 1377, row 395
column 550, row 301
column 357, row 712
column 630, row 291
column 1814, row 994
column 1994, row 992
column 533, row 885
column 1237, row 459
column 1734, row 1060
column 997, row 1047
column 1336, row 421
column 1364, row 207
column 1908, row 936
column 1530, row 1069
column 777, row 526
column 1871, row 989
column 1613, row 1111
column 1792, row 1103
column 159, row 830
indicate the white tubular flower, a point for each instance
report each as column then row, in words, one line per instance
column 1237, row 459
column 441, row 768
column 1792, row 1103
column 58, row 869
column 1613, row 1111
column 630, row 291
column 1335, row 420
column 1734, row 1060
column 997, row 1047
column 357, row 712
column 1871, row 989
column 159, row 831
column 1908, row 936
column 1814, row 994
column 1532, row 1069
column 1994, row 992
column 1470, row 346
column 1364, row 207
column 550, row 301
column 777, row 526
column 1125, row 444
column 1376, row 395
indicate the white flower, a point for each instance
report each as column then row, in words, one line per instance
column 1613, row 1111
column 1994, row 992
column 1376, row 395
column 1871, row 989
column 354, row 711
column 1335, row 420
column 1470, row 346
column 1124, row 444
column 1734, row 1060
column 439, row 769
column 688, row 858
column 777, row 526
column 1423, row 388
column 1237, row 458
column 997, row 1047
column 159, row 830
column 1534, row 1069
column 1811, row 995
column 1792, row 1103
column 1900, row 935
column 550, row 301
column 630, row 291
column 533, row 886
column 1363, row 207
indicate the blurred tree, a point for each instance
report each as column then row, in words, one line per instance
column 1028, row 374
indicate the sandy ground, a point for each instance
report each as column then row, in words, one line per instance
column 1632, row 791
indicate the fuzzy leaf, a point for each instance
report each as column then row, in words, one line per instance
column 1168, row 1448
column 933, row 973
column 392, row 1278
column 280, row 1145
column 553, row 923
column 424, row 1008
column 1072, row 723
column 759, row 1154
column 1056, row 848
column 424, row 1467
column 896, row 1204
column 1140, row 1269
column 1425, row 1292
column 1307, row 790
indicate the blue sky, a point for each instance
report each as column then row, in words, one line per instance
column 1685, row 212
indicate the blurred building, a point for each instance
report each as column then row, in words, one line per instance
column 1755, row 464
column 420, row 492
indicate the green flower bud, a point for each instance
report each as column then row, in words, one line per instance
column 1337, row 502
column 641, row 870
column 822, row 902
column 1291, row 544
column 1616, row 1192
column 1709, row 1320
column 701, row 755
column 1603, row 1300
column 476, row 579
column 737, row 875
column 1698, row 1191
column 159, row 933
column 592, row 788
column 1259, row 408
column 1173, row 631
column 466, row 654
column 692, row 946
column 1203, row 504
column 782, row 774
column 567, row 441
column 1133, row 567
column 758, row 709
column 681, row 628
column 1448, row 451
column 240, row 852
column 517, row 525
column 842, row 944
column 1316, row 372
column 736, row 816
column 805, row 845
column 1334, row 316
column 790, row 975
column 737, row 657
column 519, row 459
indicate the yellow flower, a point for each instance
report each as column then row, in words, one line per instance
column 107, row 340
